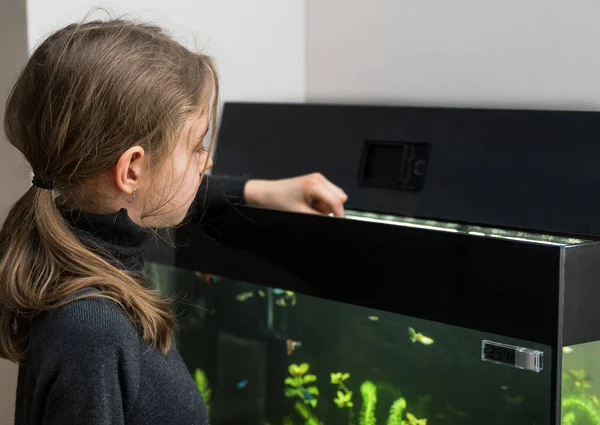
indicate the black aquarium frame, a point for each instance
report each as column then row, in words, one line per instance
column 527, row 170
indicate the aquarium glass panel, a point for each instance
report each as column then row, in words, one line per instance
column 580, row 388
column 262, row 355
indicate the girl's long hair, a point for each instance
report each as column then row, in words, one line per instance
column 88, row 93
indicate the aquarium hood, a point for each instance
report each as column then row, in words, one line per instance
column 522, row 169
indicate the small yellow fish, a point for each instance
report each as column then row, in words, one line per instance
column 261, row 293
column 567, row 350
column 419, row 337
column 243, row 296
column 373, row 318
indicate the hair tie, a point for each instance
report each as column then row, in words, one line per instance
column 42, row 183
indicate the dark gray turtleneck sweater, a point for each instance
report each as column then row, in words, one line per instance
column 87, row 365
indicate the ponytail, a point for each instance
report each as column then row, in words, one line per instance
column 43, row 263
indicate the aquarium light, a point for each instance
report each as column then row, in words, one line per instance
column 400, row 223
column 477, row 234
column 514, row 238
column 455, row 228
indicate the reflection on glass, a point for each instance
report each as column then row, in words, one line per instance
column 580, row 391
column 271, row 356
column 445, row 226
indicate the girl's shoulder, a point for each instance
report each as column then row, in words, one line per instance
column 88, row 321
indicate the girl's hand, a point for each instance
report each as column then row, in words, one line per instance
column 312, row 194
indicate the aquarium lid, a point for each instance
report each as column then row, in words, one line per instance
column 533, row 170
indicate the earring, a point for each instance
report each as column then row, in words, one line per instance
column 130, row 201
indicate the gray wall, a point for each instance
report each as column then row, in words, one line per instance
column 14, row 179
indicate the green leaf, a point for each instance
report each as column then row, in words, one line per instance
column 303, row 368
column 312, row 402
column 349, row 404
column 309, row 378
column 312, row 390
column 291, row 392
column 345, row 376
column 292, row 382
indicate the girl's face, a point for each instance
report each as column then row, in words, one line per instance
column 178, row 181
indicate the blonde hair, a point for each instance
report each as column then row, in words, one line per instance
column 88, row 93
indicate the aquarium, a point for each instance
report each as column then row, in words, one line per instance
column 382, row 319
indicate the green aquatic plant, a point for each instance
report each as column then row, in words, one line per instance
column 288, row 420
column 576, row 407
column 580, row 406
column 306, row 414
column 344, row 395
column 203, row 387
column 368, row 390
column 299, row 384
column 568, row 419
column 397, row 412
column 413, row 420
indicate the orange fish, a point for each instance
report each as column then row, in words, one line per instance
column 292, row 346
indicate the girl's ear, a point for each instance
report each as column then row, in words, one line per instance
column 128, row 170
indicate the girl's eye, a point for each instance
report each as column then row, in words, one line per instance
column 200, row 149
column 203, row 146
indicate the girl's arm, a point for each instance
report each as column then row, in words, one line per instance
column 311, row 193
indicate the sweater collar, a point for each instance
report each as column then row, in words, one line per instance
column 114, row 236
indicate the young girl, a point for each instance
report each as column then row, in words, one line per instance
column 113, row 118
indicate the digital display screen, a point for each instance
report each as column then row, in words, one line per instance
column 497, row 353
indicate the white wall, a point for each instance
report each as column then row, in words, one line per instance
column 258, row 45
column 509, row 53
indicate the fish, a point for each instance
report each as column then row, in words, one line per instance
column 567, row 350
column 286, row 297
column 291, row 296
column 504, row 387
column 243, row 296
column 261, row 293
column 308, row 395
column 373, row 318
column 419, row 337
column 292, row 346
column 242, row 384
column 206, row 277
